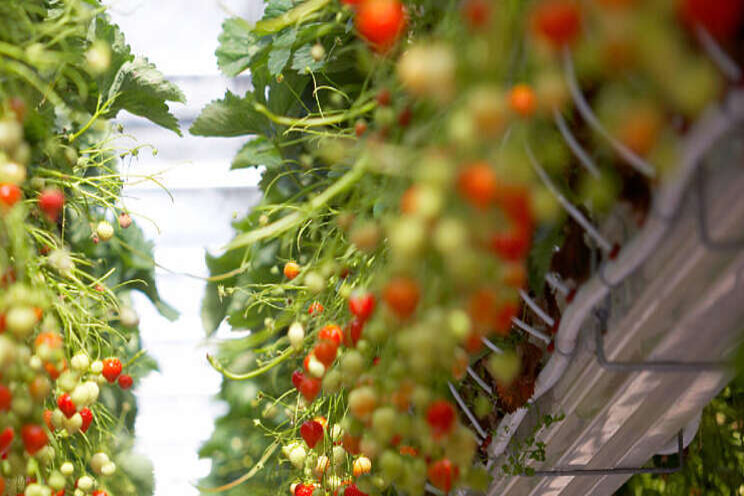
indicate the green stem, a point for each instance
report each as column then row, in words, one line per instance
column 258, row 466
column 294, row 16
column 289, row 221
column 315, row 121
column 253, row 373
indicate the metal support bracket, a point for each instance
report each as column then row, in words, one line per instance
column 647, row 366
column 577, row 472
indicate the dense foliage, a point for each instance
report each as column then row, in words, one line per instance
column 411, row 168
column 69, row 253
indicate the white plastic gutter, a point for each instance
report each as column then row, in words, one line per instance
column 714, row 123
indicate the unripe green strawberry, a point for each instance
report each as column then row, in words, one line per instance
column 297, row 456
column 332, row 381
column 11, row 134
column 67, row 468
column 391, row 466
column 315, row 282
column 383, row 423
column 61, row 261
column 407, row 236
column 67, row 381
column 104, row 230
column 108, row 469
column 80, row 362
column 296, row 335
column 338, row 456
column 12, row 172
column 315, row 368
column 504, row 366
column 97, row 461
column 73, row 424
column 7, row 351
column 369, row 446
column 58, row 418
column 37, row 490
column 98, row 57
column 352, row 363
column 57, row 481
column 86, row 483
column 20, row 320
column 128, row 317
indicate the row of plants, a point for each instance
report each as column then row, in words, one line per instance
column 70, row 253
column 415, row 180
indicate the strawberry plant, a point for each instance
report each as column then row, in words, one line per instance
column 66, row 323
column 418, row 188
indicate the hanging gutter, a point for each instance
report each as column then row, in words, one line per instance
column 678, row 240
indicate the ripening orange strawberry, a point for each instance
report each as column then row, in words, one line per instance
column 380, row 22
column 291, row 270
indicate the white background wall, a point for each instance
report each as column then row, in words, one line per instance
column 176, row 406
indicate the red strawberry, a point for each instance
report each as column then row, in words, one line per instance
column 352, row 490
column 64, row 402
column 51, row 202
column 325, row 352
column 476, row 13
column 557, row 21
column 87, row 419
column 477, row 184
column 34, row 438
column 6, row 397
column 297, row 378
column 362, row 305
column 721, row 18
column 125, row 381
column 442, row 474
column 441, row 418
column 353, row 332
column 315, row 308
column 381, row 23
column 304, row 490
column 9, row 194
column 48, row 419
column 401, row 295
column 331, row 332
column 312, row 432
column 511, row 245
column 111, row 369
column 6, row 438
column 309, row 388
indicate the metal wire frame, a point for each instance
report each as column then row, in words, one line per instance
column 660, row 366
column 702, row 218
column 594, row 472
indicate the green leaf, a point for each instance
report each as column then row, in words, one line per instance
column 103, row 30
column 282, row 50
column 231, row 116
column 538, row 262
column 258, row 151
column 284, row 95
column 303, row 60
column 275, row 8
column 238, row 46
column 142, row 90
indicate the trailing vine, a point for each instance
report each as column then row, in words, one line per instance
column 417, row 176
column 70, row 253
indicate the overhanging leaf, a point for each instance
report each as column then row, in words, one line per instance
column 143, row 90
column 279, row 55
column 230, row 116
column 258, row 151
column 238, row 46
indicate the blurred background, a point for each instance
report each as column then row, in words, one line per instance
column 177, row 409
